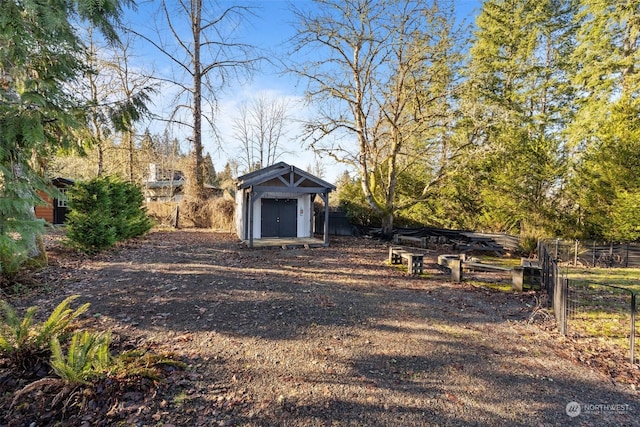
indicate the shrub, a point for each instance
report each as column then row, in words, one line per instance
column 351, row 201
column 26, row 343
column 89, row 221
column 13, row 256
column 162, row 213
column 222, row 213
column 529, row 237
column 127, row 210
column 104, row 211
column 195, row 213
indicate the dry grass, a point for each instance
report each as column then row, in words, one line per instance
column 215, row 213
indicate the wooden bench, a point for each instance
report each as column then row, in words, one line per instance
column 478, row 266
column 415, row 262
column 420, row 241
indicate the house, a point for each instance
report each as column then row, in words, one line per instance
column 168, row 186
column 163, row 185
column 276, row 202
column 169, row 190
column 55, row 210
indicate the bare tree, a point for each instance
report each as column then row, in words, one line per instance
column 199, row 40
column 97, row 94
column 260, row 126
column 116, row 97
column 134, row 91
column 379, row 77
column 317, row 168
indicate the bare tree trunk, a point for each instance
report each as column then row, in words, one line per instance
column 210, row 60
column 100, row 159
column 387, row 226
column 131, row 148
column 197, row 190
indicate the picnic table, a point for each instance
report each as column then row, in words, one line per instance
column 479, row 244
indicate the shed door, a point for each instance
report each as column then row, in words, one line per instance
column 279, row 218
column 60, row 208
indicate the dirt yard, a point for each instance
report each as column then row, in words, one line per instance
column 321, row 337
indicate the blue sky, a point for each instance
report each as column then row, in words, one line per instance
column 268, row 30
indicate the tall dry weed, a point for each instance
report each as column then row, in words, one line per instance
column 216, row 213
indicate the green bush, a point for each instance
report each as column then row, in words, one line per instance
column 12, row 256
column 89, row 223
column 529, row 237
column 134, row 212
column 104, row 211
column 351, row 201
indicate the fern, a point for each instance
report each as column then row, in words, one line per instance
column 23, row 341
column 59, row 320
column 88, row 357
column 14, row 332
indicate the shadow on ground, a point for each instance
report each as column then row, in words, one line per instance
column 334, row 336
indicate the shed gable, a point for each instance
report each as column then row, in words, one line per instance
column 282, row 176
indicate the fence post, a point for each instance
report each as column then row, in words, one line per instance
column 594, row 253
column 626, row 258
column 176, row 217
column 560, row 303
column 557, row 243
column 633, row 326
column 565, row 305
column 575, row 254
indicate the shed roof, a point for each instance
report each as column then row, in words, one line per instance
column 284, row 177
column 62, row 182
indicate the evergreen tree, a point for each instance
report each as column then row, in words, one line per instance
column 518, row 90
column 41, row 52
column 226, row 177
column 210, row 175
column 605, row 135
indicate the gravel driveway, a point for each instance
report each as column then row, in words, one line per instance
column 330, row 337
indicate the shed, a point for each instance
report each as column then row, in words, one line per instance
column 55, row 210
column 276, row 202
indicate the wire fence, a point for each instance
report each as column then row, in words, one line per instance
column 584, row 309
column 595, row 254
